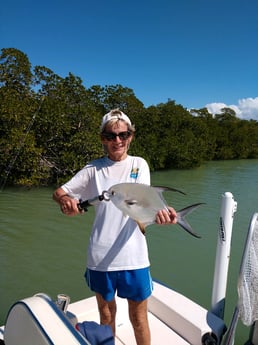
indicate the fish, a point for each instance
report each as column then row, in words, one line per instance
column 142, row 202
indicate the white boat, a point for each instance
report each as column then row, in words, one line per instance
column 174, row 319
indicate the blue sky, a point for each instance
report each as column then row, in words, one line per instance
column 196, row 52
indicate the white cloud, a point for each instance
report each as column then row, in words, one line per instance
column 246, row 109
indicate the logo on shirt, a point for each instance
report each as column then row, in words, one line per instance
column 134, row 173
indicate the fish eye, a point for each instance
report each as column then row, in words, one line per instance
column 131, row 202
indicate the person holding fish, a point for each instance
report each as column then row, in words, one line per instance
column 117, row 257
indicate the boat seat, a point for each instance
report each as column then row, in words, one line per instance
column 37, row 320
column 188, row 319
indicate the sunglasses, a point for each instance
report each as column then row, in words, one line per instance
column 110, row 136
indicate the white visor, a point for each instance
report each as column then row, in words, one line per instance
column 114, row 114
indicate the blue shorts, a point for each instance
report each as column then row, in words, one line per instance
column 135, row 285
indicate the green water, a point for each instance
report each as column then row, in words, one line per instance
column 41, row 250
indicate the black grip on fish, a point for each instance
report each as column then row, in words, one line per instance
column 83, row 205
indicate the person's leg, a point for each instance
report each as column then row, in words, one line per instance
column 139, row 319
column 107, row 312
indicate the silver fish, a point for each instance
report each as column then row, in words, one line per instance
column 142, row 203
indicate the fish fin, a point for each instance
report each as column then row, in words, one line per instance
column 168, row 189
column 142, row 227
column 181, row 220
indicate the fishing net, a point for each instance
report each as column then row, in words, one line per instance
column 248, row 278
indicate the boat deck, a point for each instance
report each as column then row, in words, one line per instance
column 160, row 332
column 173, row 318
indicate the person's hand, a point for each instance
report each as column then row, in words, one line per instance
column 166, row 216
column 68, row 205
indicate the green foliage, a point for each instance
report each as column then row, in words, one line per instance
column 49, row 126
column 15, row 70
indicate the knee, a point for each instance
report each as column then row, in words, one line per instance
column 138, row 315
column 138, row 320
column 107, row 311
column 107, row 315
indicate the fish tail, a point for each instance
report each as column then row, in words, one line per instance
column 181, row 220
